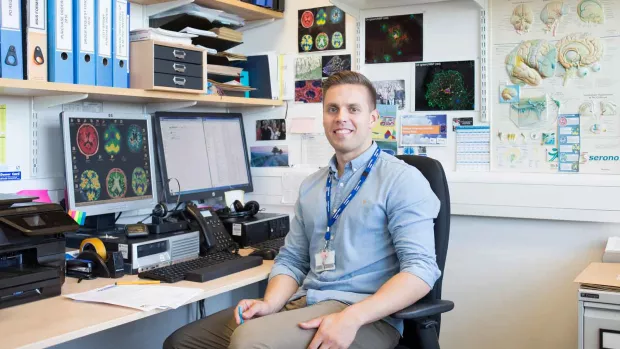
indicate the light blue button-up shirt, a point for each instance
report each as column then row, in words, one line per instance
column 386, row 229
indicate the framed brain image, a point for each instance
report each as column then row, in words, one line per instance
column 394, row 39
column 321, row 29
column 445, row 86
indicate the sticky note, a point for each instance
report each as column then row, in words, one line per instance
column 42, row 194
column 78, row 216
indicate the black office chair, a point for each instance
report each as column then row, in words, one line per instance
column 422, row 319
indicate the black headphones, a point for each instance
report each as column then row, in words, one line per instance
column 250, row 209
column 160, row 210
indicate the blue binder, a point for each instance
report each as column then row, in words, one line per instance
column 11, row 54
column 84, row 43
column 60, row 40
column 120, row 43
column 103, row 43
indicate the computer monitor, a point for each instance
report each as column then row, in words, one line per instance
column 205, row 152
column 109, row 162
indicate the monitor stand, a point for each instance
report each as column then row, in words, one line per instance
column 103, row 224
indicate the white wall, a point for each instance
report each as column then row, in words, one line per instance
column 511, row 279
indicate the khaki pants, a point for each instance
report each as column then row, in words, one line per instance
column 275, row 331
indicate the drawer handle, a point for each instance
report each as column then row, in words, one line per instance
column 179, row 81
column 179, row 67
column 180, row 54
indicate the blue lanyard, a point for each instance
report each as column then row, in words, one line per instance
column 333, row 218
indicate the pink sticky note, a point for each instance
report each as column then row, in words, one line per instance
column 302, row 125
column 41, row 193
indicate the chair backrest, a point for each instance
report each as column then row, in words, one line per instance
column 432, row 170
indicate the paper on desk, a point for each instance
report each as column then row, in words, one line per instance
column 141, row 297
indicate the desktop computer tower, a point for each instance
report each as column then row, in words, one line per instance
column 247, row 231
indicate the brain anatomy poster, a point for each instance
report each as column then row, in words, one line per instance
column 550, row 60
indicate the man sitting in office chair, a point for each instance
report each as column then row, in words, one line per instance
column 361, row 247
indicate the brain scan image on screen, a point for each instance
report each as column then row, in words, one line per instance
column 87, row 140
column 134, row 138
column 89, row 186
column 112, row 140
column 139, row 181
column 116, row 183
column 121, row 171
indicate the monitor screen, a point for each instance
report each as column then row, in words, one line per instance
column 109, row 162
column 205, row 152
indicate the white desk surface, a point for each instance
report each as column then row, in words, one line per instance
column 57, row 320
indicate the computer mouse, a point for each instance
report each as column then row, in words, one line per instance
column 267, row 254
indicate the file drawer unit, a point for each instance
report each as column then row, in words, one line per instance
column 599, row 319
column 167, row 67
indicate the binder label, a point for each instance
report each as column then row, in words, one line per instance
column 36, row 14
column 122, row 33
column 105, row 23
column 87, row 26
column 64, row 35
column 10, row 14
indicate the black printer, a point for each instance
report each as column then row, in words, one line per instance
column 32, row 249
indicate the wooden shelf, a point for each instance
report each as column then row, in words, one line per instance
column 25, row 88
column 246, row 11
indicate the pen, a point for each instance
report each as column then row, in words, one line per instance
column 240, row 315
column 140, row 282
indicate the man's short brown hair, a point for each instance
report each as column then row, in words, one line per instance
column 352, row 78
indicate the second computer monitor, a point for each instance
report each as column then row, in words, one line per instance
column 205, row 152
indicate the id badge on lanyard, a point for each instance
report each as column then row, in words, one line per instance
column 325, row 259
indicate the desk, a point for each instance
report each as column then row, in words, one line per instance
column 57, row 320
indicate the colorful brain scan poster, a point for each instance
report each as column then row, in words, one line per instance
column 394, row 39
column 445, row 86
column 321, row 29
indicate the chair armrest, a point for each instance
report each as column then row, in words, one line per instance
column 424, row 309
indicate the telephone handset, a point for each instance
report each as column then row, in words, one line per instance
column 213, row 235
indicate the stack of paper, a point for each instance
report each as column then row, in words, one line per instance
column 163, row 35
column 141, row 297
column 228, row 34
column 231, row 86
column 198, row 32
column 223, row 70
column 600, row 276
column 231, row 57
column 209, row 14
column 612, row 250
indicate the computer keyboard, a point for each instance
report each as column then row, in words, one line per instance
column 203, row 269
column 273, row 243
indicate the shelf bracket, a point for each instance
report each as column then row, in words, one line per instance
column 44, row 102
column 347, row 8
column 256, row 24
column 155, row 9
column 166, row 106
